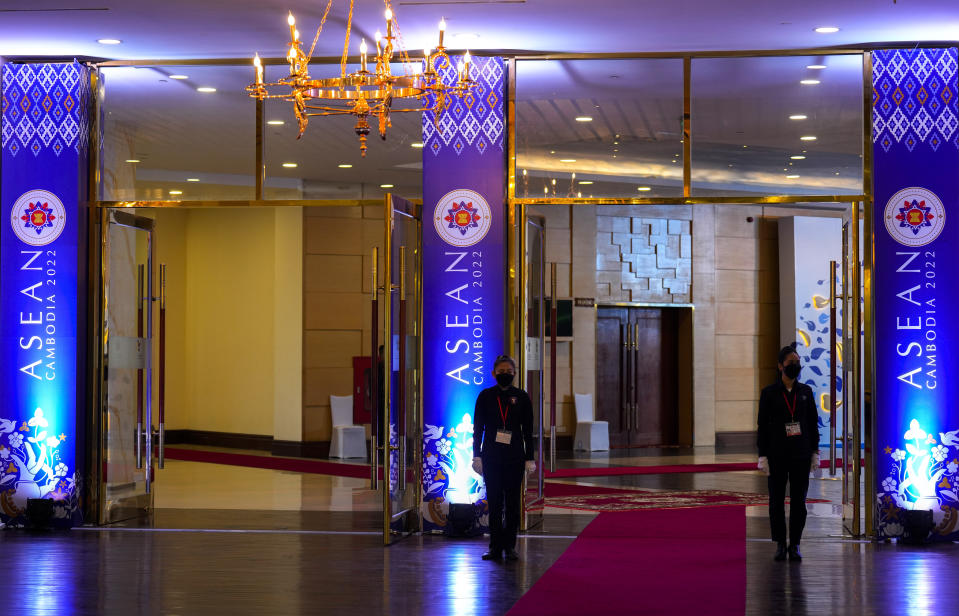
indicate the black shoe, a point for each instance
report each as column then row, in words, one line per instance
column 512, row 555
column 780, row 551
column 493, row 555
column 794, row 553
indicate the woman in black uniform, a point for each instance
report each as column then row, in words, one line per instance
column 502, row 449
column 788, row 450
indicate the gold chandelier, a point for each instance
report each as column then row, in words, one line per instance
column 365, row 93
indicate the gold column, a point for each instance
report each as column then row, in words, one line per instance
column 868, row 359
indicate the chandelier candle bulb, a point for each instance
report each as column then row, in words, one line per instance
column 442, row 32
column 363, row 55
column 389, row 23
column 259, row 69
column 292, row 23
column 466, row 64
column 377, row 36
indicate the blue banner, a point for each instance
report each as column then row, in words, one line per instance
column 44, row 181
column 464, row 283
column 916, row 286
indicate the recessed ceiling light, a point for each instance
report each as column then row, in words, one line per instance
column 133, row 160
column 584, row 119
column 798, row 157
column 644, row 188
column 587, row 182
column 179, row 77
column 827, row 29
column 809, row 82
column 345, row 166
column 386, row 186
column 290, row 165
column 193, row 179
column 206, row 89
column 792, row 177
column 109, row 41
column 567, row 160
column 416, row 145
column 808, row 138
column 816, row 67
column 275, row 122
column 674, row 160
column 797, row 116
column 176, row 192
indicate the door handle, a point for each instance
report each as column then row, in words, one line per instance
column 161, row 370
column 140, row 431
column 635, row 375
column 374, row 372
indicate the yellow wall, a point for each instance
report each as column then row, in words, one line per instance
column 234, row 319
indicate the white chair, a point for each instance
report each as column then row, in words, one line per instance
column 591, row 435
column 348, row 440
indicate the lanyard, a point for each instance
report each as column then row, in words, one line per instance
column 501, row 413
column 791, row 407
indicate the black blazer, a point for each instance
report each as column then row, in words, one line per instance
column 774, row 415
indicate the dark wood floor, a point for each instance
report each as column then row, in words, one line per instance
column 189, row 561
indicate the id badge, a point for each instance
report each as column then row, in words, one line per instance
column 793, row 429
column 504, row 437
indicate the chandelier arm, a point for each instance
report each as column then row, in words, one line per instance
column 327, row 113
column 346, row 41
column 320, row 29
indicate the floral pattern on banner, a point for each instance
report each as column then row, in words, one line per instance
column 448, row 475
column 43, row 107
column 912, row 100
column 471, row 121
column 922, row 474
column 31, row 467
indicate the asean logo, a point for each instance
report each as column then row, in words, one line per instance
column 462, row 218
column 38, row 217
column 914, row 216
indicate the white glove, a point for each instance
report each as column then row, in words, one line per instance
column 763, row 464
column 814, row 466
column 478, row 465
column 530, row 467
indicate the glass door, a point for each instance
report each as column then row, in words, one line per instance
column 126, row 471
column 401, row 358
column 534, row 269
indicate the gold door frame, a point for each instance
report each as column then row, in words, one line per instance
column 516, row 207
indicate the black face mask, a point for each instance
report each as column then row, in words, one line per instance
column 792, row 370
column 504, row 379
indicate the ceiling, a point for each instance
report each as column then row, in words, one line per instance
column 237, row 28
column 742, row 137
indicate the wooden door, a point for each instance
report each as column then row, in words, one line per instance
column 637, row 375
column 655, row 419
column 611, row 397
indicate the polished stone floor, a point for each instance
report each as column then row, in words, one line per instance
column 311, row 545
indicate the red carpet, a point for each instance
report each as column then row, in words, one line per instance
column 679, row 561
column 651, row 470
column 295, row 465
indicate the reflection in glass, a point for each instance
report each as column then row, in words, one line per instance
column 164, row 139
column 758, row 129
column 392, row 165
column 599, row 128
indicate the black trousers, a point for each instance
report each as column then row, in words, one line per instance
column 504, row 485
column 795, row 471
